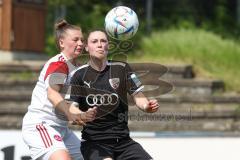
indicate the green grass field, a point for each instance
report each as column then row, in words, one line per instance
column 211, row 56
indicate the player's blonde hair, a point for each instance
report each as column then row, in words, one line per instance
column 60, row 27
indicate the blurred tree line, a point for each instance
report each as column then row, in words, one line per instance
column 219, row 16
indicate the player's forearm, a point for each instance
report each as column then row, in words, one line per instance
column 144, row 104
column 57, row 100
column 141, row 101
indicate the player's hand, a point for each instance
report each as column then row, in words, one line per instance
column 152, row 106
column 89, row 115
column 74, row 115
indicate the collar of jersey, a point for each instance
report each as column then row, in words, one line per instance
column 104, row 70
column 66, row 59
column 62, row 54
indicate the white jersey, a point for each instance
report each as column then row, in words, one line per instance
column 56, row 71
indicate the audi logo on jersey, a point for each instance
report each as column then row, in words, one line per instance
column 102, row 99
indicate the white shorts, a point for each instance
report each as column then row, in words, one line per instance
column 43, row 140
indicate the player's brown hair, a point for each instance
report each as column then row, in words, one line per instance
column 94, row 30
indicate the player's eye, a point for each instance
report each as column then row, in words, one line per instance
column 75, row 39
column 94, row 41
column 103, row 40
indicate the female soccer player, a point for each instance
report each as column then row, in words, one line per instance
column 107, row 137
column 44, row 126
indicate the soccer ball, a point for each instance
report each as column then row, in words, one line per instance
column 121, row 23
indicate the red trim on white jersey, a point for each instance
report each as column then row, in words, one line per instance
column 41, row 109
column 44, row 135
column 56, row 67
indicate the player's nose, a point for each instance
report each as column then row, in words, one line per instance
column 99, row 44
column 80, row 42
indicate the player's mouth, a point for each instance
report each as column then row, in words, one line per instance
column 100, row 51
column 78, row 49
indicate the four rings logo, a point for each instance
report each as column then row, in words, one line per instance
column 102, row 99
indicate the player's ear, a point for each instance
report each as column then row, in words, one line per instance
column 61, row 45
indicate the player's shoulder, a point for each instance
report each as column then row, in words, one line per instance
column 56, row 64
column 80, row 69
column 117, row 63
column 56, row 61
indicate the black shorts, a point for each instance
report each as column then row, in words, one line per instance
column 117, row 149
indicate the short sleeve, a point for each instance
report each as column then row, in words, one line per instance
column 56, row 73
column 134, row 85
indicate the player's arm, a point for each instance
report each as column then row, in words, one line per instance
column 57, row 100
column 54, row 78
column 135, row 87
column 145, row 104
column 72, row 112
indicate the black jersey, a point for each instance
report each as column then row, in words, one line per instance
column 108, row 91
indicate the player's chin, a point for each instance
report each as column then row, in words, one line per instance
column 77, row 53
column 100, row 56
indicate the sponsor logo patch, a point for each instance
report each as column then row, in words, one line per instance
column 57, row 137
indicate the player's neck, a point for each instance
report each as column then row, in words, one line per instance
column 70, row 59
column 97, row 64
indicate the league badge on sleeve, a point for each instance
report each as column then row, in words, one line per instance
column 114, row 82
